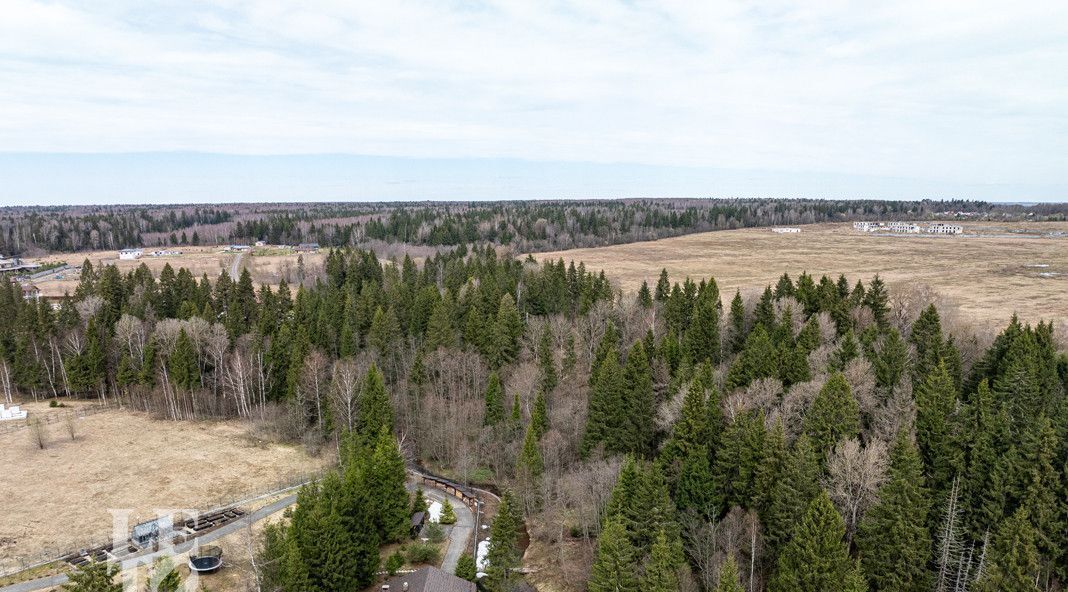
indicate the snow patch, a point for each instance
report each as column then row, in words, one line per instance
column 434, row 511
column 480, row 557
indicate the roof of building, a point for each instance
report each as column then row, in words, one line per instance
column 428, row 579
column 418, row 518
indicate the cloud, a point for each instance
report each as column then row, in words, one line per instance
column 954, row 91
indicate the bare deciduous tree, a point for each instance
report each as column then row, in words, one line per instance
column 854, row 475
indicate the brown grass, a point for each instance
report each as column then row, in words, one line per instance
column 57, row 499
column 266, row 265
column 987, row 274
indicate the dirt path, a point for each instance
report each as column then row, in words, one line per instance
column 236, row 265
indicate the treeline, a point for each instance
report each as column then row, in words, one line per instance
column 194, row 348
column 821, row 435
column 27, row 230
column 523, row 225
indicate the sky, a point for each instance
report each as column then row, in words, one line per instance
column 167, row 102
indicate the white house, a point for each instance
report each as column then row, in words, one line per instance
column 942, row 228
column 786, row 230
column 12, row 412
column 130, row 254
column 907, row 227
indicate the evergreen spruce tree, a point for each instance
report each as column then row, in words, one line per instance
column 695, row 487
column 815, row 559
column 926, row 337
column 539, row 416
column 94, row 576
column 661, row 571
column 892, row 362
column 606, row 406
column 440, row 331
column 494, row 401
column 738, row 457
column 737, row 315
column 614, row 568
column 503, row 557
column 530, row 465
column 375, row 411
column 636, row 431
column 772, row 468
column 834, row 415
column 466, row 568
column 759, row 359
column 641, row 501
column 893, row 540
column 645, row 297
column 507, row 330
column 384, row 479
column 848, row 350
column 448, row 513
column 808, row 339
column 936, row 400
column 793, row 365
column 182, row 363
column 791, row 494
column 728, row 576
column 663, row 286
column 384, row 330
column 1013, row 558
column 164, row 577
column 876, row 299
column 419, row 503
column 691, row 430
column 785, row 287
column 702, row 336
column 546, row 360
column 764, row 313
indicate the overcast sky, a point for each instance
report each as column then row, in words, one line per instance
column 511, row 99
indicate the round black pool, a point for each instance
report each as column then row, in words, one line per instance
column 207, row 560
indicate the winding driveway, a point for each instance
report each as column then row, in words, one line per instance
column 459, row 534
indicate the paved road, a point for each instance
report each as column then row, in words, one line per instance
column 148, row 558
column 236, row 265
column 459, row 534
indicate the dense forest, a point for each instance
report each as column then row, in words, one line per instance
column 522, row 225
column 823, row 435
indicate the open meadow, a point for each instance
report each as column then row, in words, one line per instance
column 57, row 499
column 267, row 265
column 988, row 272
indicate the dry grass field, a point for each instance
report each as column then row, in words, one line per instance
column 57, row 499
column 266, row 265
column 988, row 273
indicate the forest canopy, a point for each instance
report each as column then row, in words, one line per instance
column 819, row 435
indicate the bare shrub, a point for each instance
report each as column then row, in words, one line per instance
column 70, row 426
column 38, row 432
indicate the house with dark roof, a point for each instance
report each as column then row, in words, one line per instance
column 428, row 579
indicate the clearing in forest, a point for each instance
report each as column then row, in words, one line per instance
column 989, row 272
column 56, row 500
